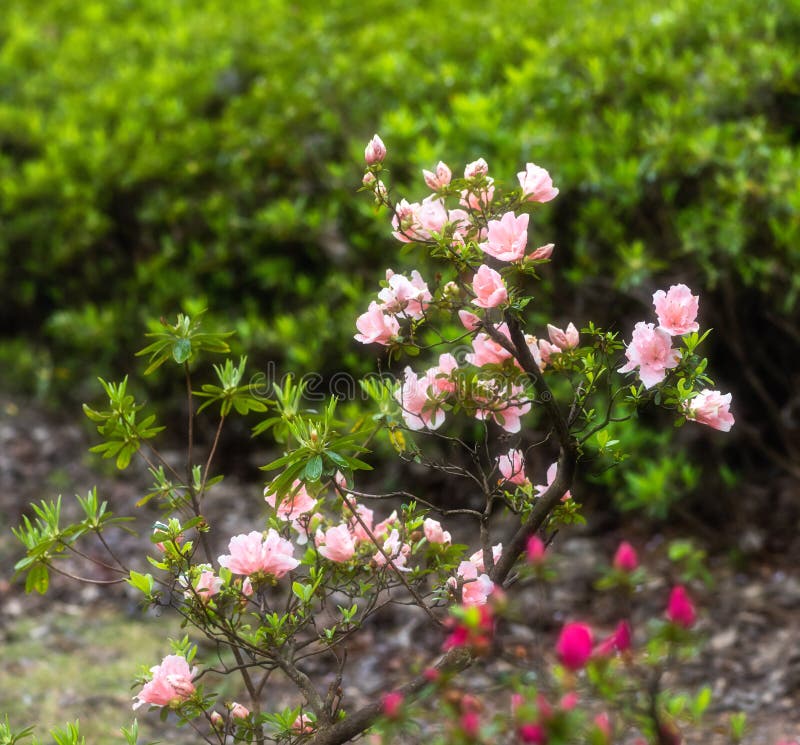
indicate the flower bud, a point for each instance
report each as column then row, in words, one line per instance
column 477, row 168
column 375, row 151
column 391, row 704
column 217, row 722
column 626, row 559
column 238, row 711
column 680, row 609
column 536, row 550
column 574, row 646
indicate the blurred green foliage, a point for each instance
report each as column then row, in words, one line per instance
column 157, row 156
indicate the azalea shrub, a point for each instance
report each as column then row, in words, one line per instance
column 333, row 550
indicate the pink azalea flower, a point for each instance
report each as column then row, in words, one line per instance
column 540, row 489
column 238, row 711
column 170, row 685
column 507, row 237
column 574, row 645
column 489, row 288
column 356, row 528
column 418, row 409
column 404, row 295
column 391, row 704
column 434, row 532
column 440, row 377
column 541, row 253
column 536, row 183
column 440, row 178
column 680, row 609
column 476, row 588
column 383, row 527
column 650, row 350
column 546, row 349
column 536, row 550
column 477, row 558
column 339, row 545
column 207, row 585
column 486, row 351
column 619, row 641
column 303, row 724
column 247, row 587
column 512, row 466
column 375, row 151
column 396, row 550
column 470, row 722
column 506, row 410
column 251, row 553
column 625, row 558
column 478, row 198
column 677, row 310
column 564, row 339
column 469, row 320
column 403, row 221
column 375, row 327
column 711, row 408
column 294, row 504
column 477, row 168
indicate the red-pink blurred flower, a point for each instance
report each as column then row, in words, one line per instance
column 568, row 701
column 512, row 466
column 391, row 704
column 339, row 545
column 677, row 310
column 470, row 723
column 536, row 183
column 626, row 558
column 251, row 553
column 603, row 724
column 535, row 550
column 489, row 288
column 533, row 734
column 376, row 327
column 680, row 609
column 507, row 237
column 619, row 641
column 651, row 351
column 712, row 409
column 170, row 685
column 574, row 645
column 375, row 151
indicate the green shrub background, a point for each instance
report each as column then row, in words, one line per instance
column 158, row 156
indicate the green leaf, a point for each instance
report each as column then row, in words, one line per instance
column 182, row 350
column 38, row 579
column 313, row 468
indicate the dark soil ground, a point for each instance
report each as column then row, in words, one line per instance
column 73, row 654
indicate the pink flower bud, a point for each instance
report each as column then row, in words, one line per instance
column 574, row 646
column 564, row 339
column 470, row 723
column 533, row 734
column 391, row 704
column 680, row 609
column 536, row 550
column 369, row 178
column 216, row 720
column 626, row 559
column 440, row 178
column 375, row 151
column 541, row 253
column 469, row 320
column 568, row 701
column 238, row 711
column 603, row 725
column 477, row 168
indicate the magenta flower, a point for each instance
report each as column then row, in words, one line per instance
column 536, row 183
column 650, row 350
column 434, row 532
column 619, row 641
column 512, row 466
column 440, row 178
column 532, row 734
column 339, row 545
column 170, row 685
column 489, row 288
column 251, row 554
column 625, row 558
column 375, row 327
column 677, row 310
column 507, row 237
column 391, row 704
column 375, row 151
column 574, row 645
column 536, row 550
column 680, row 609
column 711, row 408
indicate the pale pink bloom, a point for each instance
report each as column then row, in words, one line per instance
column 170, row 685
column 294, row 504
column 396, row 550
column 677, row 310
column 375, row 327
column 440, row 377
column 546, row 349
column 469, row 320
column 512, row 466
column 650, row 350
column 434, row 533
column 404, row 295
column 339, row 545
column 540, row 489
column 486, row 351
column 711, row 408
column 403, row 221
column 418, row 409
column 247, row 587
column 489, row 288
column 477, row 558
column 477, row 168
column 564, row 339
column 533, row 348
column 541, row 253
column 478, row 198
column 375, row 151
column 440, row 178
column 251, row 553
column 383, row 527
column 356, row 528
column 507, row 237
column 506, row 410
column 207, row 585
column 536, row 183
column 238, row 711
column 303, row 724
column 432, row 216
column 476, row 588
